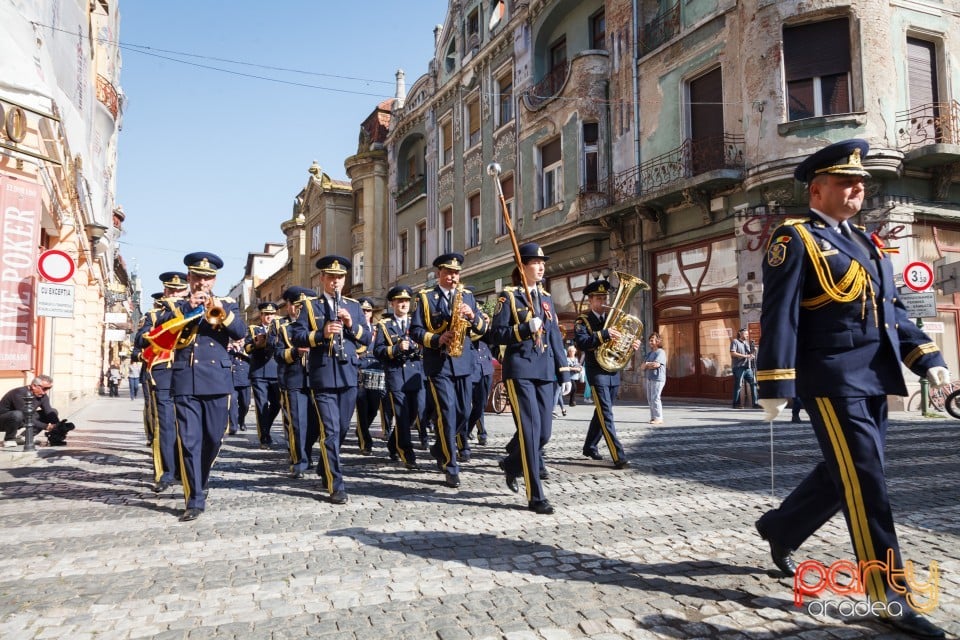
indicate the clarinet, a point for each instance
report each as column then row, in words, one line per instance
column 338, row 349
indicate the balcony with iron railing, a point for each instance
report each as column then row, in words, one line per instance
column 664, row 26
column 549, row 86
column 410, row 191
column 107, row 96
column 704, row 163
column 929, row 134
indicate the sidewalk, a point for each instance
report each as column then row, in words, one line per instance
column 663, row 549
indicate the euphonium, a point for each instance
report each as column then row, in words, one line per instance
column 458, row 324
column 614, row 355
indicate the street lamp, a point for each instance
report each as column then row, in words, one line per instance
column 95, row 231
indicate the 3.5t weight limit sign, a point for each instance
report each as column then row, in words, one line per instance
column 918, row 276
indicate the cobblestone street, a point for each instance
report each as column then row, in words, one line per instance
column 665, row 548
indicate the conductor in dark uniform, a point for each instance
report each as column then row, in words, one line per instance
column 301, row 420
column 589, row 335
column 400, row 357
column 534, row 362
column 435, row 319
column 202, row 378
column 332, row 326
column 834, row 334
column 259, row 345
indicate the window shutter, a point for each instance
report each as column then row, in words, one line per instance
column 816, row 49
column 550, row 153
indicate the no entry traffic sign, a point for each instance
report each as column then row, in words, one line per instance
column 56, row 265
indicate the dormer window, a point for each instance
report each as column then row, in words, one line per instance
column 450, row 60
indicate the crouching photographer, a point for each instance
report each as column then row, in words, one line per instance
column 23, row 401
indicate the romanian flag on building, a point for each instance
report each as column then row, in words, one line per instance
column 163, row 338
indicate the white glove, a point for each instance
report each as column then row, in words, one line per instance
column 535, row 324
column 772, row 408
column 938, row 376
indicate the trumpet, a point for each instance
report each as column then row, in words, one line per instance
column 213, row 314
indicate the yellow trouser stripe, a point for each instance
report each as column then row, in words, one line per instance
column 288, row 424
column 441, row 429
column 853, row 496
column 515, row 406
column 154, row 419
column 598, row 410
column 327, row 474
column 183, row 465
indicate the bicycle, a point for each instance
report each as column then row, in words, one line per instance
column 952, row 403
column 937, row 399
column 498, row 397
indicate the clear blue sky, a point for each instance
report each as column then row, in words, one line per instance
column 210, row 161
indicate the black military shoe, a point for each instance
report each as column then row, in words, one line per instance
column 338, row 497
column 481, row 439
column 622, row 463
column 452, row 480
column 542, row 507
column 593, row 454
column 914, row 624
column 190, row 514
column 411, row 466
column 780, row 554
column 510, row 479
column 296, row 475
column 161, row 486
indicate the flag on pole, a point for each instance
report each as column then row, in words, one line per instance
column 163, row 338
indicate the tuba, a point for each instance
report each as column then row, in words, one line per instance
column 458, row 324
column 615, row 354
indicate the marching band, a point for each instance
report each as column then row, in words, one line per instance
column 316, row 358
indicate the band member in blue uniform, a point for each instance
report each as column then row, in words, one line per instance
column 159, row 379
column 300, row 420
column 589, row 334
column 371, row 391
column 439, row 323
column 260, row 345
column 482, row 380
column 534, row 361
column 240, row 401
column 202, row 378
column 400, row 357
column 835, row 334
column 332, row 326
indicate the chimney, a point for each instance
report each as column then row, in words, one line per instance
column 401, row 90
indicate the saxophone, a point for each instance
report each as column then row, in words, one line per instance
column 458, row 324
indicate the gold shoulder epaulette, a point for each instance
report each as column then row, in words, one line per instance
column 790, row 222
column 349, row 299
column 511, row 288
column 226, row 299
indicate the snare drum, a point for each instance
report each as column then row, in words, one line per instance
column 374, row 379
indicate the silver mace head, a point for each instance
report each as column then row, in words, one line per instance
column 493, row 169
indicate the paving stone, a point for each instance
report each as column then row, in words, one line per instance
column 665, row 550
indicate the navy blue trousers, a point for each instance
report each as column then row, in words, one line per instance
column 201, row 424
